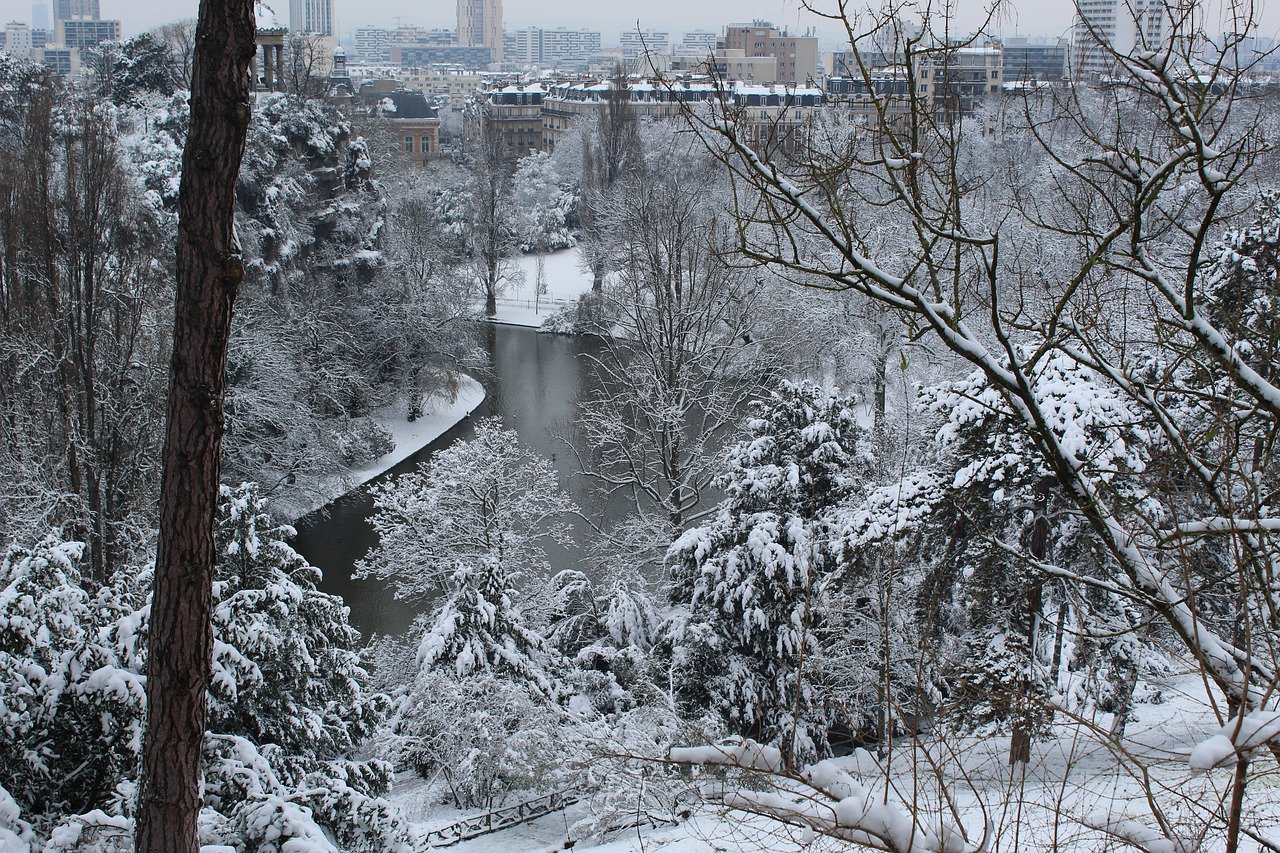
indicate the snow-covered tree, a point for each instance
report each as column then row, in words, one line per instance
column 71, row 683
column 683, row 360
column 484, row 735
column 143, row 65
column 479, row 628
column 755, row 577
column 287, row 669
column 544, row 207
column 489, row 499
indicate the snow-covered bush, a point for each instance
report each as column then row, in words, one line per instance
column 545, row 208
column 286, row 675
column 484, row 736
column 15, row 833
column 258, row 798
column 71, row 686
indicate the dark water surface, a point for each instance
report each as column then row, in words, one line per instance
column 536, row 384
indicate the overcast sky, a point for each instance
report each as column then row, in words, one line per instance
column 1025, row 17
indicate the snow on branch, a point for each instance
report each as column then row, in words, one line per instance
column 824, row 799
column 1223, row 525
column 1240, row 735
column 1136, row 834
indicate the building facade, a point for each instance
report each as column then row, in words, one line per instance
column 480, row 24
column 957, row 81
column 422, row 55
column 65, row 10
column 81, row 33
column 727, row 65
column 17, row 40
column 512, row 119
column 774, row 116
column 703, row 40
column 636, row 42
column 372, row 44
column 1120, row 26
column 797, row 56
column 1026, row 61
column 311, row 16
column 63, row 61
column 551, row 48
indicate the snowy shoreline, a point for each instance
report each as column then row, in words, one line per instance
column 566, row 280
column 439, row 416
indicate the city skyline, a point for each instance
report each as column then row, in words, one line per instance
column 1018, row 18
column 1023, row 17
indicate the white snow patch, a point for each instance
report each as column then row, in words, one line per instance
column 567, row 279
column 439, row 416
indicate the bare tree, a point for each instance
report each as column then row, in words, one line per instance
column 180, row 36
column 674, row 379
column 493, row 228
column 80, row 293
column 209, row 273
column 610, row 150
column 305, row 66
column 1090, row 235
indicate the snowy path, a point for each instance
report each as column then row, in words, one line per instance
column 439, row 416
column 1073, row 781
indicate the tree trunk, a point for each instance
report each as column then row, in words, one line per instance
column 1025, row 715
column 490, row 301
column 209, row 274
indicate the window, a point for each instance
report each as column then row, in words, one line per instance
column 408, row 144
column 424, row 144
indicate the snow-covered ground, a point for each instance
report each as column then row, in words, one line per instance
column 566, row 277
column 1075, row 784
column 440, row 414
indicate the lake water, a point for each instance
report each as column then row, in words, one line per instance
column 536, row 383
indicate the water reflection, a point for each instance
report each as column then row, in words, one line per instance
column 537, row 385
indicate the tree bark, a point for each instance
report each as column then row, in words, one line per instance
column 209, row 274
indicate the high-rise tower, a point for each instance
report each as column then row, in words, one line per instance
column 1121, row 25
column 311, row 16
column 480, row 23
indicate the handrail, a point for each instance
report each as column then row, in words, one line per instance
column 474, row 826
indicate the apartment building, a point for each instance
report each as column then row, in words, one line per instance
column 465, row 56
column 552, row 48
column 480, row 24
column 772, row 116
column 957, row 81
column 65, row 10
column 700, row 40
column 311, row 16
column 1104, row 27
column 727, row 65
column 1035, row 61
column 636, row 42
column 511, row 117
column 17, row 40
column 797, row 56
column 81, row 33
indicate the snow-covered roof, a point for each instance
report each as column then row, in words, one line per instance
column 265, row 17
column 517, row 88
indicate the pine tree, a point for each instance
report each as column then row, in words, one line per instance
column 287, row 669
column 479, row 629
column 755, row 576
column 71, row 684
